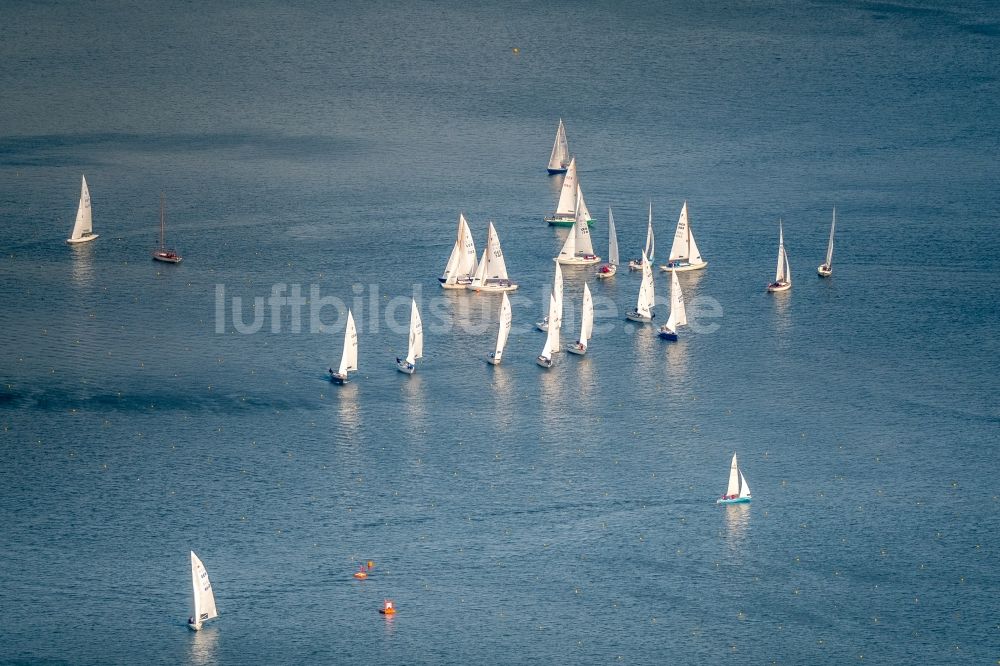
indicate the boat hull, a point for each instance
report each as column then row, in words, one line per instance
column 824, row 270
column 406, row 368
column 166, row 257
column 737, row 500
column 606, row 271
column 338, row 378
column 562, row 221
column 634, row 265
column 82, row 239
column 683, row 267
column 493, row 360
column 493, row 288
column 544, row 362
column 668, row 335
column 461, row 283
column 194, row 626
column 579, row 261
column 636, row 317
column 553, row 172
column 577, row 349
column 776, row 287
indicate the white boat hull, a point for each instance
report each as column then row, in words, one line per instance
column 338, row 378
column 544, row 362
column 493, row 360
column 576, row 348
column 167, row 257
column 82, row 239
column 454, row 285
column 683, row 267
column 606, row 271
column 405, row 368
column 195, row 626
column 493, row 288
column 775, row 287
column 579, row 261
column 635, row 316
column 634, row 265
column 824, row 270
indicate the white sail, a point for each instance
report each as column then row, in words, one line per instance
column 612, row 240
column 568, row 250
column 555, row 321
column 505, row 320
column 734, row 479
column 568, row 193
column 581, row 230
column 416, row 349
column 650, row 240
column 479, row 276
column 203, row 598
column 560, row 150
column 462, row 261
column 557, row 293
column 780, row 274
column 84, row 225
column 349, row 361
column 587, row 316
column 496, row 266
column 678, row 315
column 829, row 245
column 684, row 247
column 581, row 207
column 644, row 304
column 744, row 486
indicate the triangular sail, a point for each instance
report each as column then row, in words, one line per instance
column 203, row 597
column 684, row 248
column 84, row 219
column 581, row 230
column 567, row 195
column 349, row 361
column 477, row 279
column 678, row 315
column 416, row 349
column 557, row 294
column 568, row 250
column 650, row 240
column 829, row 245
column 734, row 478
column 555, row 321
column 496, row 267
column 560, row 149
column 581, row 207
column 744, row 486
column 644, row 304
column 467, row 260
column 587, row 315
column 780, row 273
column 450, row 274
column 612, row 240
column 505, row 320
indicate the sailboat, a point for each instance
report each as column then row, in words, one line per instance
column 349, row 359
column 783, row 275
column 163, row 254
column 491, row 274
column 83, row 228
column 826, row 268
column 557, row 292
column 416, row 349
column 586, row 323
column 609, row 269
column 684, row 254
column 570, row 200
column 644, row 305
column 552, row 339
column 738, row 490
column 636, row 264
column 461, row 265
column 578, row 250
column 203, row 602
column 678, row 316
column 559, row 159
column 505, row 319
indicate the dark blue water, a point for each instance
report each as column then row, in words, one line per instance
column 514, row 515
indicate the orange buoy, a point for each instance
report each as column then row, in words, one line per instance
column 360, row 575
column 387, row 608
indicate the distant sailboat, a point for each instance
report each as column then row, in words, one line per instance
column 578, row 250
column 203, row 602
column 609, row 269
column 559, row 159
column 643, row 311
column 502, row 334
column 461, row 267
column 349, row 359
column 163, row 254
column 416, row 347
column 783, row 274
column 557, row 292
column 491, row 274
column 636, row 264
column 552, row 339
column 826, row 268
column 678, row 315
column 83, row 228
column 684, row 254
column 738, row 490
column 586, row 323
column 570, row 201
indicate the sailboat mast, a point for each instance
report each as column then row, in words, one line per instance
column 162, row 215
